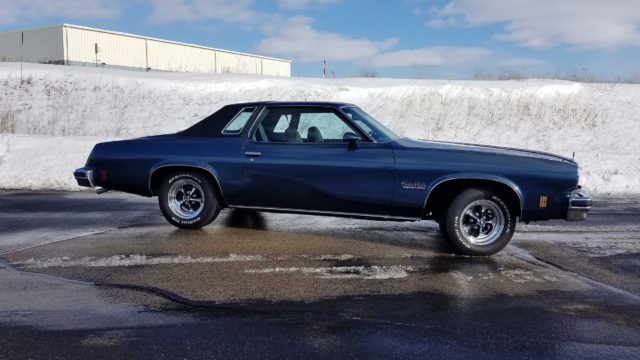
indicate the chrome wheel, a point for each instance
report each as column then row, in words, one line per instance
column 186, row 198
column 482, row 222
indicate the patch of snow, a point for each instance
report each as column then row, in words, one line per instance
column 342, row 257
column 522, row 276
column 343, row 272
column 460, row 276
column 130, row 260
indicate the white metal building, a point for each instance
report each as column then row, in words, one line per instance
column 78, row 45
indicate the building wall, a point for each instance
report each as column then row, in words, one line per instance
column 276, row 68
column 75, row 45
column 175, row 57
column 113, row 49
column 228, row 62
column 40, row 45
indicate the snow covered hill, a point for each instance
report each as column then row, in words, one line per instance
column 58, row 113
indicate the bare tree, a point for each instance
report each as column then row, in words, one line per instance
column 420, row 71
column 368, row 72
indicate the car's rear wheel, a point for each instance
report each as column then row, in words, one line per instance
column 188, row 200
column 478, row 222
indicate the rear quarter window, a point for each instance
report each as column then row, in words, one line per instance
column 235, row 126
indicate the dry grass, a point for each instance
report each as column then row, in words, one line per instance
column 8, row 119
column 114, row 107
column 583, row 76
column 368, row 72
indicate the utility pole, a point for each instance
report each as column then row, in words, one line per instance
column 96, row 51
column 21, row 54
column 324, row 69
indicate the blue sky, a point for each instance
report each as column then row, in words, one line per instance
column 401, row 38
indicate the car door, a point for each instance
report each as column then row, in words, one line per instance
column 297, row 158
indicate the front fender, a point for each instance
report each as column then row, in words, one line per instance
column 474, row 176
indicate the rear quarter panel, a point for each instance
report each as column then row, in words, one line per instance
column 129, row 163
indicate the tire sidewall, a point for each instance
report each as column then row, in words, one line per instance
column 209, row 210
column 454, row 231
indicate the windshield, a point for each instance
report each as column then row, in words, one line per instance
column 368, row 124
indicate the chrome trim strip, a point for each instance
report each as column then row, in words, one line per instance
column 323, row 212
column 90, row 178
column 512, row 186
column 186, row 166
column 255, row 121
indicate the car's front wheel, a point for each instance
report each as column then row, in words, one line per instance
column 478, row 222
column 188, row 200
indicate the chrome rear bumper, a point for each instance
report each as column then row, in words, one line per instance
column 579, row 205
column 84, row 177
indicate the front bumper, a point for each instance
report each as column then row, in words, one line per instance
column 579, row 205
column 84, row 177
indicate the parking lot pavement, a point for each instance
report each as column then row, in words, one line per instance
column 293, row 284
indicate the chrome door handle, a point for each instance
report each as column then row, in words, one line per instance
column 252, row 153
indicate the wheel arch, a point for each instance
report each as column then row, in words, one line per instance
column 445, row 188
column 159, row 172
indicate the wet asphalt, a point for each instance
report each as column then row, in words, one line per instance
column 90, row 276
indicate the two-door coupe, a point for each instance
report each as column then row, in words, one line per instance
column 335, row 159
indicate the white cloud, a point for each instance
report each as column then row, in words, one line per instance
column 295, row 38
column 585, row 24
column 227, row 11
column 429, row 56
column 304, row 4
column 12, row 11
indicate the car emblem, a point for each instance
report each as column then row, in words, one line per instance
column 413, row 185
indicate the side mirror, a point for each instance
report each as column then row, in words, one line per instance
column 352, row 139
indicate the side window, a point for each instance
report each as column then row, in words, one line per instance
column 283, row 124
column 238, row 122
column 361, row 123
column 300, row 125
column 318, row 127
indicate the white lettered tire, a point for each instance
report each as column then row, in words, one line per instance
column 478, row 222
column 188, row 200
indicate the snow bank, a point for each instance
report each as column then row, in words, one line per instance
column 68, row 109
column 38, row 162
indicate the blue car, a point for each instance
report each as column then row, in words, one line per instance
column 334, row 159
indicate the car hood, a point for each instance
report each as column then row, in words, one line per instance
column 498, row 150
